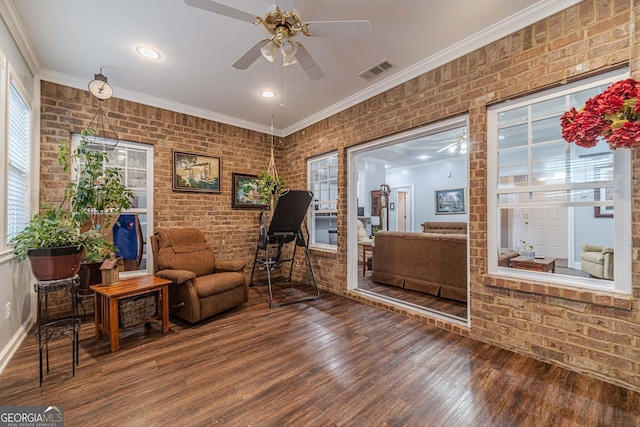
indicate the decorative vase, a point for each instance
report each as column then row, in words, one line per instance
column 55, row 263
column 529, row 255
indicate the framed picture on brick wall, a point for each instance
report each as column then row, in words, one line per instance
column 244, row 194
column 196, row 172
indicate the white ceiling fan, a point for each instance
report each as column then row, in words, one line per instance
column 460, row 142
column 283, row 23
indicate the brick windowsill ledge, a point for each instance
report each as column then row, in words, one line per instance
column 602, row 298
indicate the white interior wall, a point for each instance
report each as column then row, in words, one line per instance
column 426, row 179
column 16, row 293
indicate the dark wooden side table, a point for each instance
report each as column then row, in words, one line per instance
column 107, row 304
column 546, row 264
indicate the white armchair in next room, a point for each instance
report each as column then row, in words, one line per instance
column 597, row 261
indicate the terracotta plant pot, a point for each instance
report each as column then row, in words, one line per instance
column 55, row 263
column 90, row 274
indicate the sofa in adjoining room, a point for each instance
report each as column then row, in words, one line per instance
column 433, row 262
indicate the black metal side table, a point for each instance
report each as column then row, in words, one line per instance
column 49, row 330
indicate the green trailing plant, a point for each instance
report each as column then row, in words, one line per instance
column 55, row 228
column 268, row 185
column 95, row 196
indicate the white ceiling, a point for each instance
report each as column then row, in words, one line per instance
column 68, row 41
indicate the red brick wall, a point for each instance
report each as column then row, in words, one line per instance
column 233, row 233
column 586, row 331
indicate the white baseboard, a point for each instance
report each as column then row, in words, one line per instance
column 7, row 353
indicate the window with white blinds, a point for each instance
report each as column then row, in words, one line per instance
column 18, row 161
column 557, row 199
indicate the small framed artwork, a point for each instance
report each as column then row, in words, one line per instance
column 196, row 172
column 392, row 206
column 450, row 201
column 244, row 194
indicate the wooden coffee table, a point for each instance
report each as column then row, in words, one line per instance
column 547, row 264
column 107, row 304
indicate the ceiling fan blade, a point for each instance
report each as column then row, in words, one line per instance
column 351, row 29
column 447, row 147
column 250, row 56
column 222, row 9
column 308, row 64
column 285, row 5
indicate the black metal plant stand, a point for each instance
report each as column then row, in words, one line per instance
column 49, row 330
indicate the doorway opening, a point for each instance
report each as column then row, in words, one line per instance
column 393, row 182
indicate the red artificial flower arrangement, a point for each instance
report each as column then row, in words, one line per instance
column 611, row 115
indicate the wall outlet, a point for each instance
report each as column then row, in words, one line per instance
column 7, row 310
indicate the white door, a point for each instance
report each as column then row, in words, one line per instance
column 402, row 210
column 546, row 229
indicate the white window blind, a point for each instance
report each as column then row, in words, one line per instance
column 555, row 196
column 18, row 161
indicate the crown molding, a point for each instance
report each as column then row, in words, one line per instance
column 11, row 18
column 129, row 95
column 526, row 17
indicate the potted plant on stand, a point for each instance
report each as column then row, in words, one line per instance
column 53, row 244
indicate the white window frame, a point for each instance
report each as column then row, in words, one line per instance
column 4, row 241
column 622, row 203
column 148, row 211
column 9, row 80
column 21, row 165
column 314, row 208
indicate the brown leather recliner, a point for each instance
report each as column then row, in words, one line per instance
column 202, row 286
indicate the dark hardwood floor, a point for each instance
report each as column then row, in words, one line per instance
column 453, row 308
column 330, row 362
column 442, row 305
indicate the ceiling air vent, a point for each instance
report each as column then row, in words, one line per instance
column 376, row 70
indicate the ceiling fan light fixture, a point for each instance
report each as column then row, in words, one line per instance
column 289, row 60
column 268, row 51
column 288, row 48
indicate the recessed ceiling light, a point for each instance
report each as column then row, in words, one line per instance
column 423, row 157
column 148, row 52
column 267, row 93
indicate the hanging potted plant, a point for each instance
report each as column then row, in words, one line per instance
column 269, row 183
column 93, row 199
column 97, row 197
column 97, row 194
